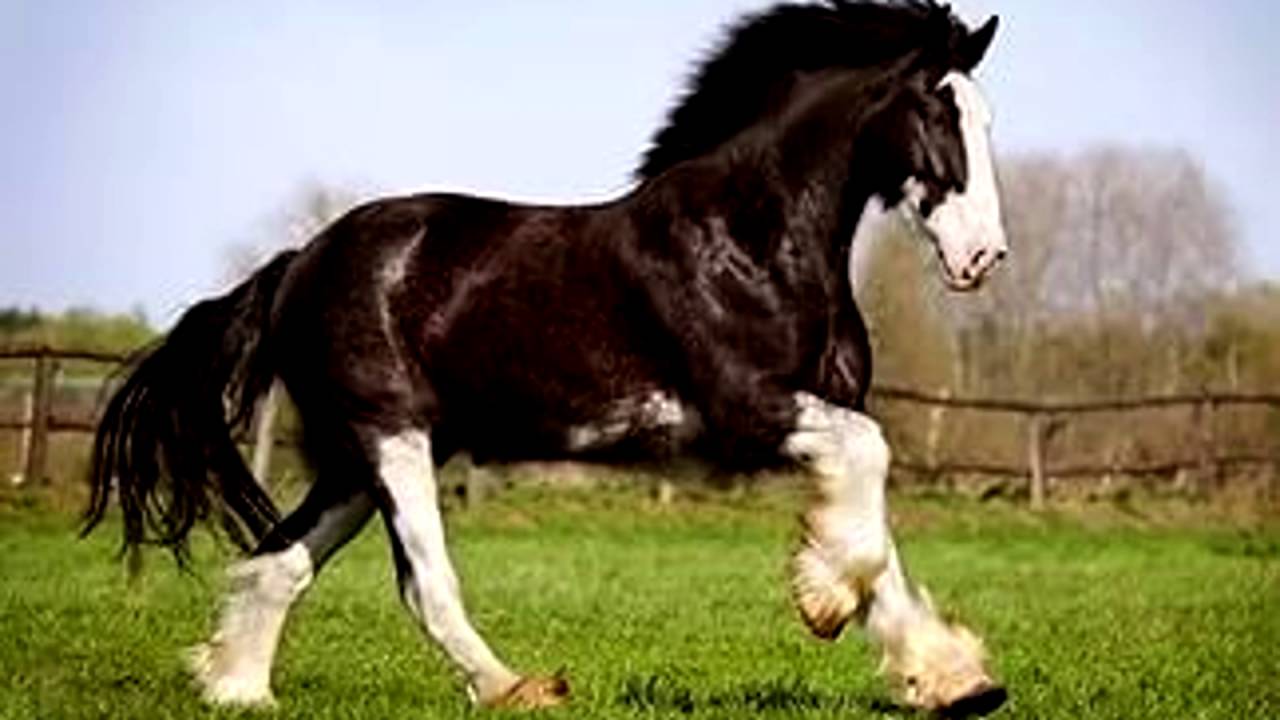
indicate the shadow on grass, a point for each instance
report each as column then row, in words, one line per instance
column 668, row 694
column 1245, row 544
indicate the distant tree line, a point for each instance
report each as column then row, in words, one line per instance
column 14, row 320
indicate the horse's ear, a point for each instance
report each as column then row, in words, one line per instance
column 975, row 45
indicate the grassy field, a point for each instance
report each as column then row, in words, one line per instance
column 672, row 611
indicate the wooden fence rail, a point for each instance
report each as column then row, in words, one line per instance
column 1050, row 407
column 40, row 352
column 1042, row 418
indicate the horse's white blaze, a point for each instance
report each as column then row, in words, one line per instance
column 431, row 592
column 967, row 225
column 235, row 666
column 848, row 528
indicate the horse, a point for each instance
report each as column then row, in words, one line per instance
column 706, row 312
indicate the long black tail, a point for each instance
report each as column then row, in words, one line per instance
column 165, row 441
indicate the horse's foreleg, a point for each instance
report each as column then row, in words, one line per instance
column 846, row 536
column 234, row 667
column 429, row 585
column 847, row 566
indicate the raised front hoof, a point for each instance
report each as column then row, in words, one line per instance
column 825, row 602
column 984, row 699
column 532, row 693
column 824, row 618
column 224, row 689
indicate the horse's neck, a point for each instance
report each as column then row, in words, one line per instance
column 790, row 184
column 811, row 178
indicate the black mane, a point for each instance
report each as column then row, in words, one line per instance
column 752, row 71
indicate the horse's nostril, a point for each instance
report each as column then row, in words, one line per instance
column 978, row 256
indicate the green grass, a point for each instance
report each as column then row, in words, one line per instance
column 672, row 611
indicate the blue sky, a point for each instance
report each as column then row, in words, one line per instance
column 143, row 139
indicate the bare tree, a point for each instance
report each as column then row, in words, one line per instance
column 310, row 211
column 1126, row 245
column 1149, row 230
column 314, row 208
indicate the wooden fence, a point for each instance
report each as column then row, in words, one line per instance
column 39, row 420
column 1042, row 419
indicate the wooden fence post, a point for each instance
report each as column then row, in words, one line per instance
column 1035, row 459
column 933, row 439
column 24, row 437
column 1209, row 470
column 264, row 436
column 41, row 407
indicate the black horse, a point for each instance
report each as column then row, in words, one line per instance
column 709, row 311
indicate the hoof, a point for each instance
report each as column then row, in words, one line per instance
column 217, row 688
column 825, row 601
column 532, row 693
column 941, row 668
column 982, row 700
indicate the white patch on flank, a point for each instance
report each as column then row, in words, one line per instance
column 391, row 275
column 967, row 226
column 234, row 668
column 664, row 410
column 396, row 268
column 407, row 472
column 651, row 412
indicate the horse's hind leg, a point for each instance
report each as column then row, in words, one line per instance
column 234, row 667
column 848, row 567
column 428, row 583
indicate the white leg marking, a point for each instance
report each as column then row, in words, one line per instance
column 234, row 668
column 932, row 662
column 431, row 593
column 848, row 563
column 846, row 532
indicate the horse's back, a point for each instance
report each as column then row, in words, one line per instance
column 536, row 334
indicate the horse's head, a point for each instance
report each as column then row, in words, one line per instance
column 936, row 132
